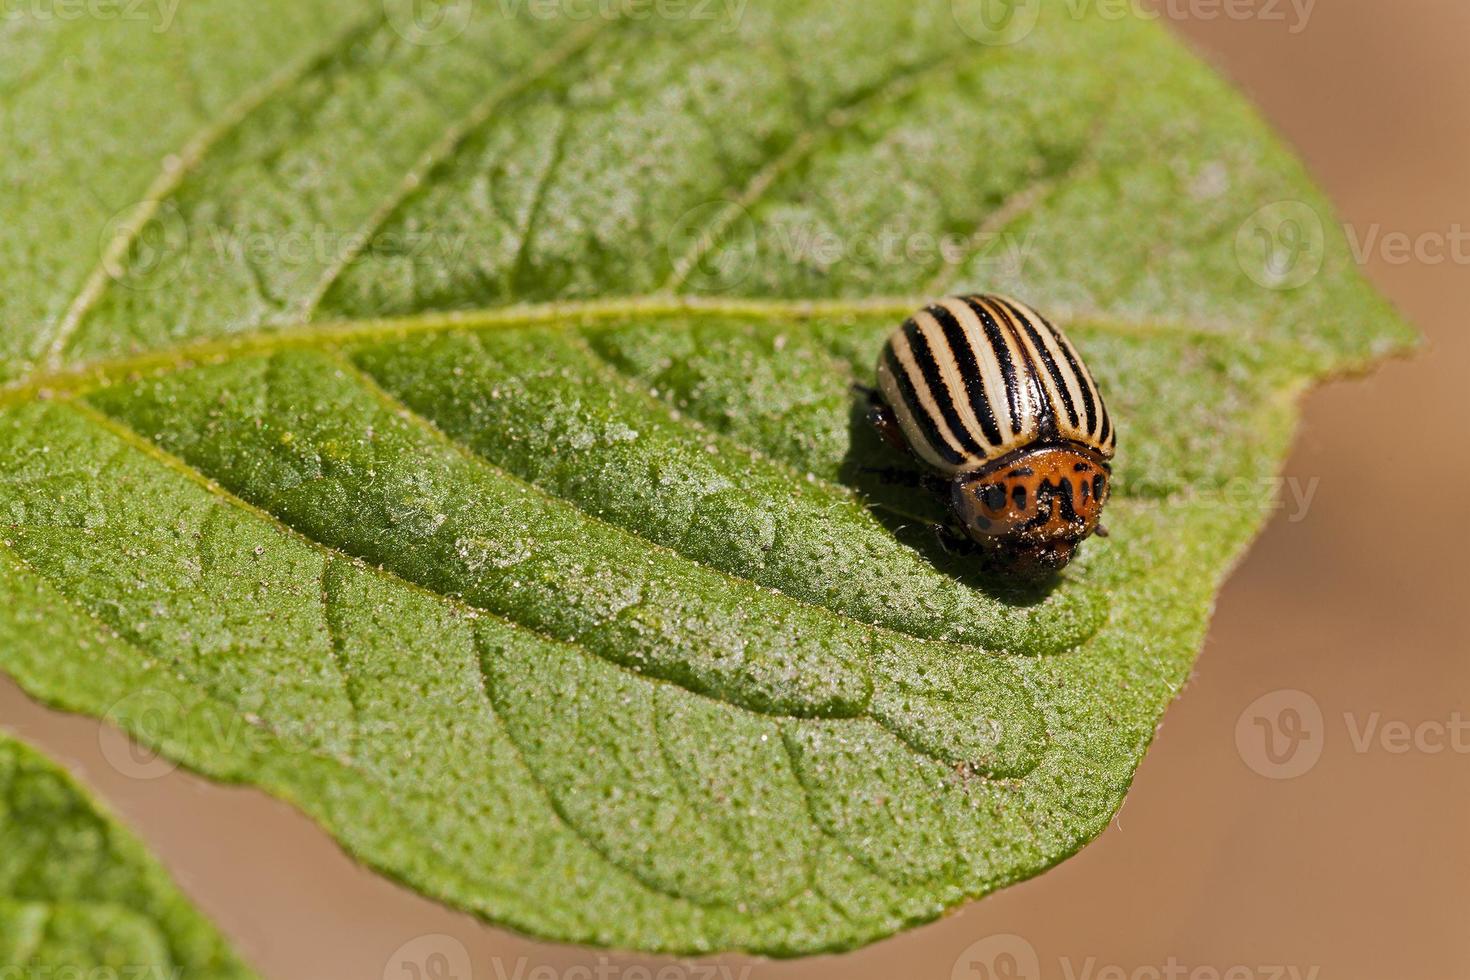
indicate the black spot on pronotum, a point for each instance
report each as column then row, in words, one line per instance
column 993, row 496
column 1097, row 486
column 1054, row 499
column 1018, row 495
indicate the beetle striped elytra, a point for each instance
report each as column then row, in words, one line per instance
column 994, row 399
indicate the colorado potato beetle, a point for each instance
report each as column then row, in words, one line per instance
column 996, row 402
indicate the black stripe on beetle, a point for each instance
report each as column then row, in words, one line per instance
column 1058, row 379
column 1074, row 364
column 1028, row 378
column 1001, row 351
column 929, row 362
column 969, row 371
column 923, row 430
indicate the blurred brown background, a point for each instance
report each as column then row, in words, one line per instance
column 1358, row 866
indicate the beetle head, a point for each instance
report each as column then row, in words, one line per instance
column 1029, row 511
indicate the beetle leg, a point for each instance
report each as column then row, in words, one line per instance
column 952, row 542
column 883, row 419
column 895, row 476
column 1101, row 530
column 935, row 484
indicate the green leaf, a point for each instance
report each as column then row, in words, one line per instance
column 456, row 438
column 80, row 896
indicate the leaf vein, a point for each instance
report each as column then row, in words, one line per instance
column 555, row 805
column 440, row 152
column 333, row 553
column 388, row 791
column 807, row 793
column 176, row 168
column 1021, row 203
column 839, row 118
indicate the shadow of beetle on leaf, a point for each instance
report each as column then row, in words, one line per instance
column 911, row 503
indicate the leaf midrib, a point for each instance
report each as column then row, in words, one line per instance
column 328, row 334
